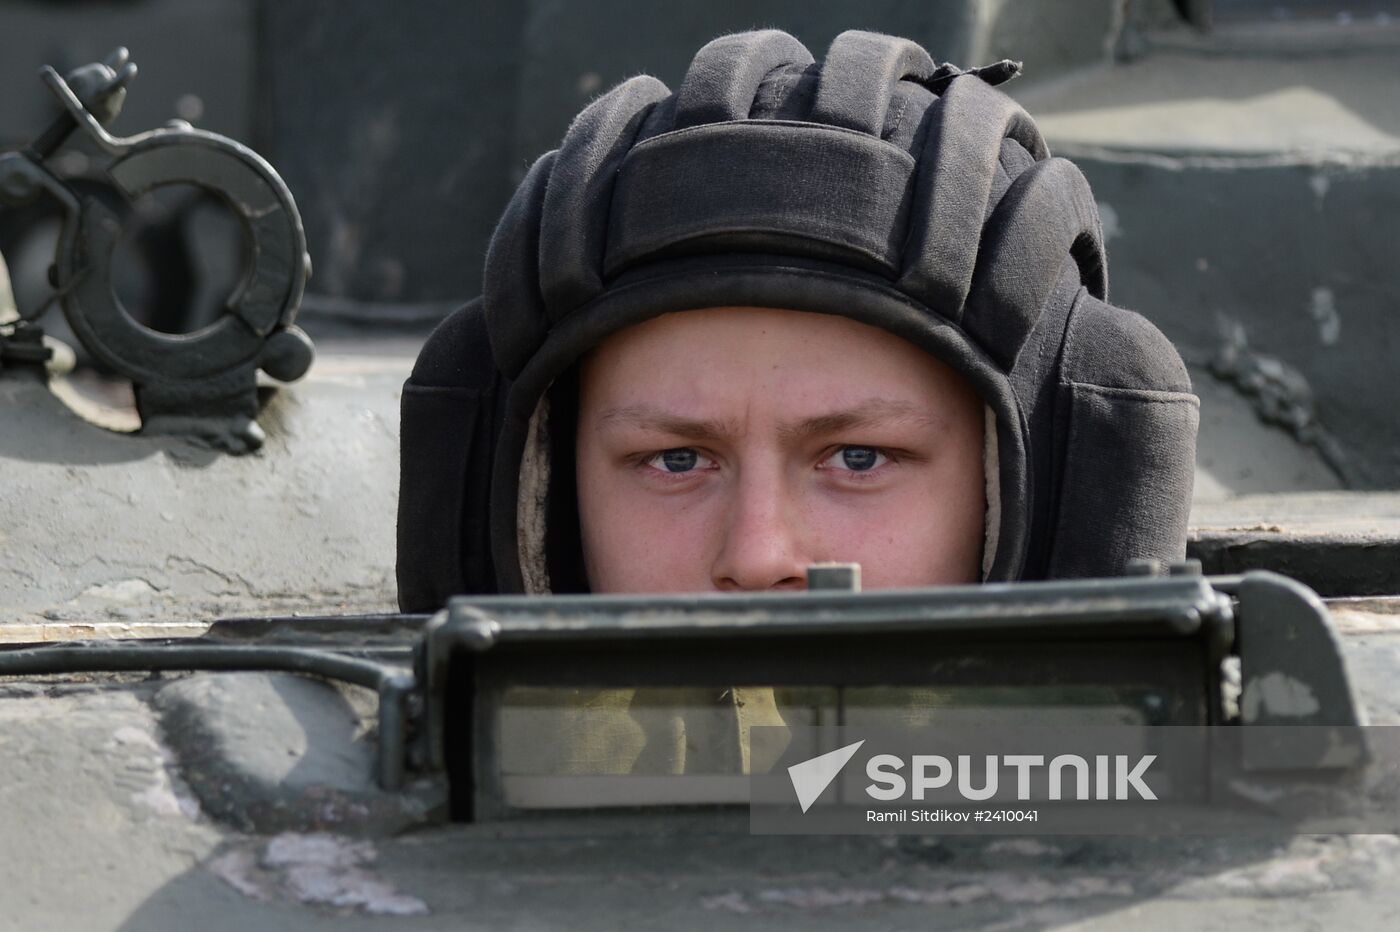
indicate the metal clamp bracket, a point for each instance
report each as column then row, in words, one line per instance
column 201, row 383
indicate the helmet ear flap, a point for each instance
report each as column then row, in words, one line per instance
column 573, row 229
column 956, row 171
column 725, row 75
column 516, row 322
column 859, row 75
column 1048, row 213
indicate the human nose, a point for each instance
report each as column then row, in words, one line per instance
column 762, row 547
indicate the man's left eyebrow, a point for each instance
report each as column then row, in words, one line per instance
column 865, row 414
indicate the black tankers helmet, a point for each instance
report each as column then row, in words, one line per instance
column 876, row 185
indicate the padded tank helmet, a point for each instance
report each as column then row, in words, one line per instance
column 876, row 185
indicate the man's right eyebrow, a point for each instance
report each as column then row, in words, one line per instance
column 650, row 417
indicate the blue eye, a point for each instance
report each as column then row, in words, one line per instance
column 856, row 459
column 678, row 461
column 682, row 460
column 860, row 459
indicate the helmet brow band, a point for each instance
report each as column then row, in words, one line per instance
column 831, row 186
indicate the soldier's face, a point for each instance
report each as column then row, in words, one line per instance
column 727, row 449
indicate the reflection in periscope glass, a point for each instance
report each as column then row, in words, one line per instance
column 568, row 748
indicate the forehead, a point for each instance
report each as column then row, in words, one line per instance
column 795, row 361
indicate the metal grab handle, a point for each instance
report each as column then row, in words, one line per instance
column 392, row 684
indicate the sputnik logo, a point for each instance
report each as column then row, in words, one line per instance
column 934, row 772
column 811, row 777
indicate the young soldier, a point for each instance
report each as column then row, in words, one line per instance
column 793, row 312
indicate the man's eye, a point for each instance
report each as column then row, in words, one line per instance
column 678, row 460
column 856, row 459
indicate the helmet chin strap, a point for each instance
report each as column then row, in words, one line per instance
column 533, row 498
